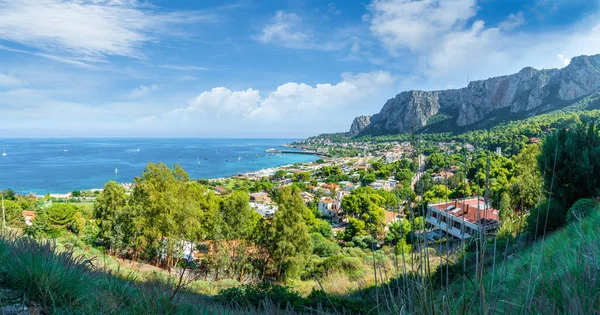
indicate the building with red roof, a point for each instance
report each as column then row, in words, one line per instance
column 463, row 218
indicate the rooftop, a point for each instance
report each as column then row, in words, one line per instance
column 472, row 210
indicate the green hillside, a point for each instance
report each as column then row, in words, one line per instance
column 560, row 274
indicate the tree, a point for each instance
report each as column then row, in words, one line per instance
column 526, row 186
column 505, row 208
column 577, row 170
column 290, row 244
column 9, row 194
column 110, row 201
column 76, row 193
column 419, row 224
column 53, row 220
column 14, row 214
column 398, row 231
column 280, row 174
column 322, row 227
column 355, row 228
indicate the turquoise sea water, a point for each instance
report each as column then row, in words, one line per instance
column 43, row 165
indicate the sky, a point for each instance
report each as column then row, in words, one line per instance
column 275, row 69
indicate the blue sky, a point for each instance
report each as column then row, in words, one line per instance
column 79, row 68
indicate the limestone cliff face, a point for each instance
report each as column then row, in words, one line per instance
column 526, row 90
column 359, row 123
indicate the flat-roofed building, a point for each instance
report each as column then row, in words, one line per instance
column 463, row 218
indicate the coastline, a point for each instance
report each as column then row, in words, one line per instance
column 252, row 175
column 88, row 165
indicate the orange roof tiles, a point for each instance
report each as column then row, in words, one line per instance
column 471, row 210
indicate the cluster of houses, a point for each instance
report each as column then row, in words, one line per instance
column 444, row 174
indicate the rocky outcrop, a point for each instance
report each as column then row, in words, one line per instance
column 524, row 91
column 359, row 123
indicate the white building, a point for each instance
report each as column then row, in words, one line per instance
column 265, row 210
column 463, row 218
column 327, row 207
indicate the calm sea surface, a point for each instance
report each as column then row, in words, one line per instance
column 63, row 165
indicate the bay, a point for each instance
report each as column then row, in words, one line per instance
column 63, row 165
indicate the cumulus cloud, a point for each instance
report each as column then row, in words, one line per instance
column 448, row 43
column 88, row 30
column 291, row 100
column 417, row 25
column 142, row 91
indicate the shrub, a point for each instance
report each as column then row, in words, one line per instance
column 581, row 208
column 256, row 294
column 537, row 223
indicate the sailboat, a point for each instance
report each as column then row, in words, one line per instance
column 138, row 150
column 239, row 158
column 65, row 149
column 198, row 160
column 4, row 153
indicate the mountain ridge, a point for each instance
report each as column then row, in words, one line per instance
column 521, row 92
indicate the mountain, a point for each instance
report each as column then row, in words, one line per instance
column 530, row 91
column 359, row 123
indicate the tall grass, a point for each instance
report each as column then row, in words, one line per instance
column 58, row 282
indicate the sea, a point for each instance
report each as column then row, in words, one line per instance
column 43, row 166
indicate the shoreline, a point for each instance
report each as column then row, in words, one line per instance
column 127, row 185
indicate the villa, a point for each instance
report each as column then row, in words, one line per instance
column 463, row 218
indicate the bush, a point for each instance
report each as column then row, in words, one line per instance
column 350, row 266
column 536, row 221
column 322, row 246
column 256, row 294
column 581, row 208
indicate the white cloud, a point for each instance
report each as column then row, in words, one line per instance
column 448, row 44
column 288, row 30
column 142, row 91
column 417, row 25
column 183, row 67
column 566, row 61
column 221, row 101
column 291, row 101
column 332, row 9
column 512, row 21
column 89, row 30
column 9, row 81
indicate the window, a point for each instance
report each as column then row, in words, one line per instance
column 456, row 225
column 434, row 214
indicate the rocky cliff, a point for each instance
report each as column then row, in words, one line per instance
column 359, row 123
column 521, row 92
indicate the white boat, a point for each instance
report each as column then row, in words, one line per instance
column 138, row 150
column 198, row 160
column 4, row 153
column 65, row 150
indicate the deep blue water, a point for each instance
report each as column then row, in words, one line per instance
column 42, row 165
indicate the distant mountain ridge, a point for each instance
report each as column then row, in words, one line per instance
column 522, row 92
